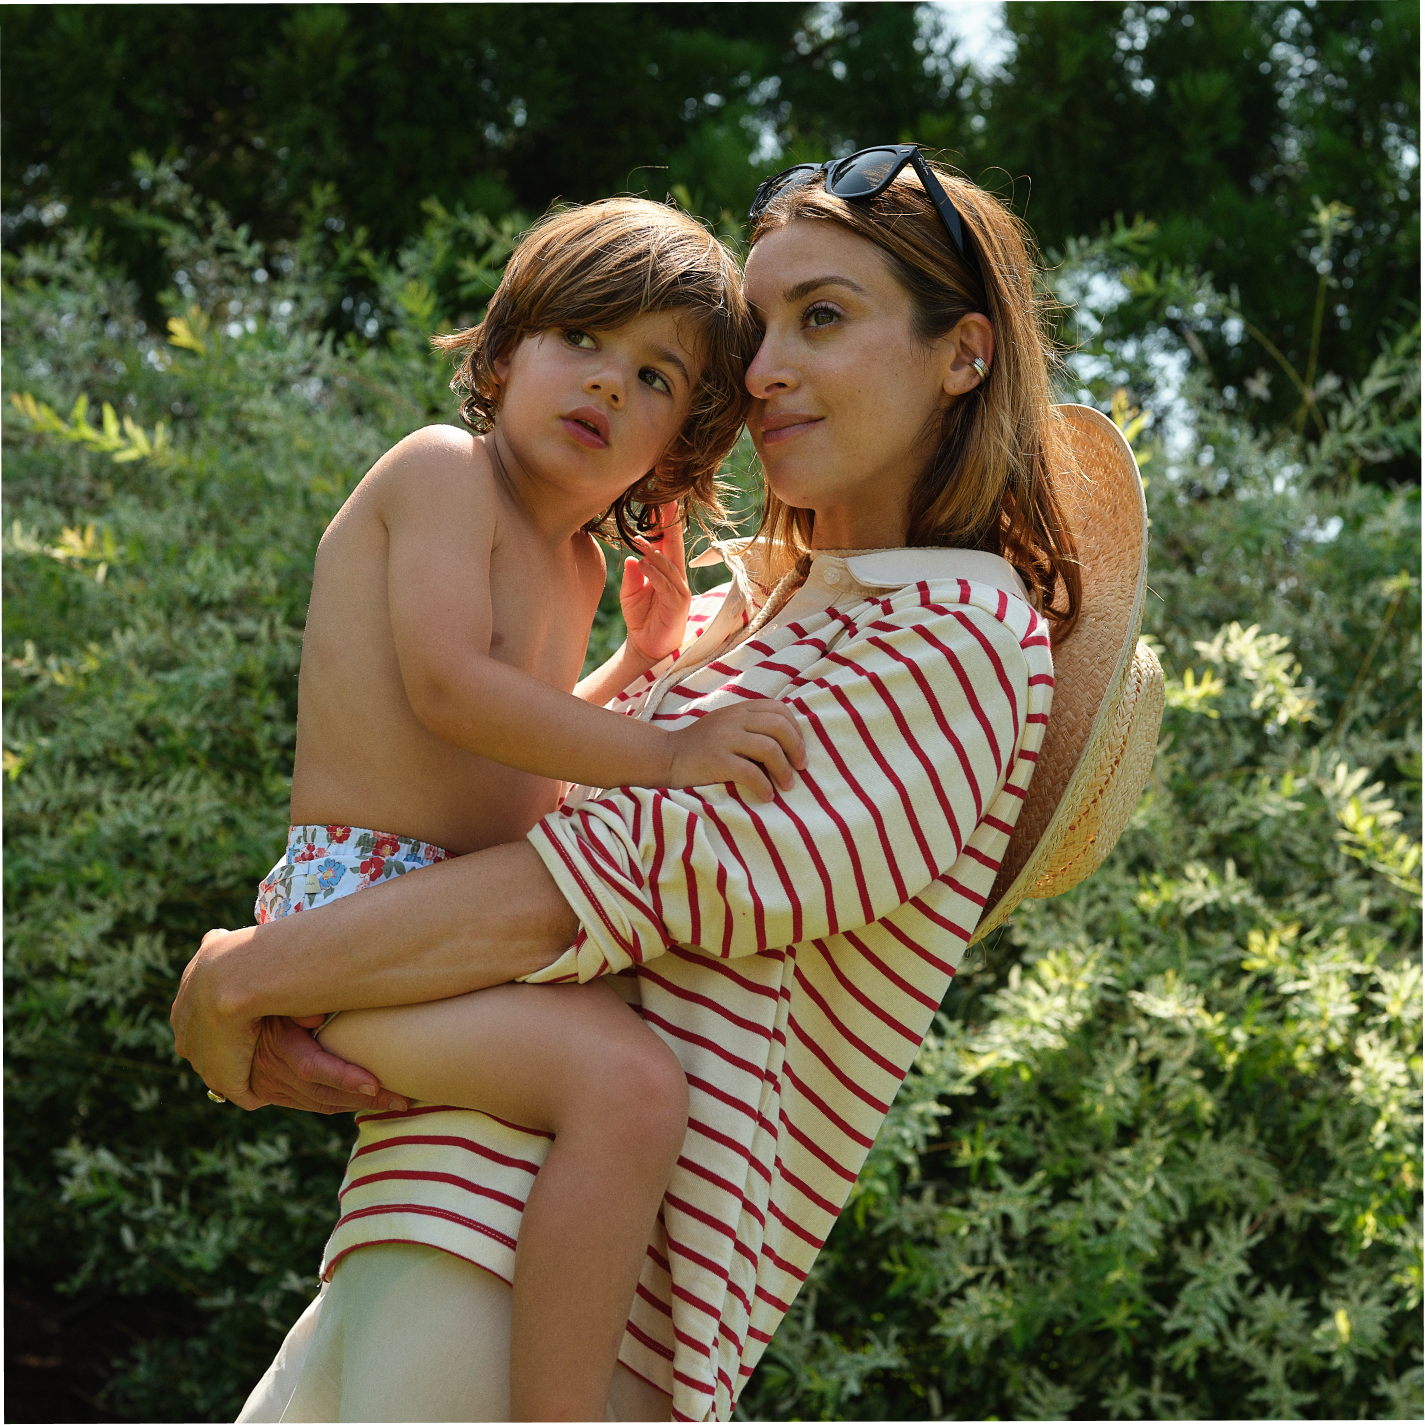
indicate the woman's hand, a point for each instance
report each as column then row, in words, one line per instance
column 291, row 1069
column 253, row 1062
column 655, row 595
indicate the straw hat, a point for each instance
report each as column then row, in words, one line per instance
column 1108, row 688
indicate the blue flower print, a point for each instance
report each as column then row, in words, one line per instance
column 329, row 873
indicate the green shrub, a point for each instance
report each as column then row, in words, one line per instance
column 1160, row 1155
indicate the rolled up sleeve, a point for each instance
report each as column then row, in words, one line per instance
column 911, row 720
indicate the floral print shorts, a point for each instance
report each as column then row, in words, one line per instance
column 324, row 863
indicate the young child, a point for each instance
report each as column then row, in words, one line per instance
column 451, row 607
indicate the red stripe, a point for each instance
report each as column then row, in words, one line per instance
column 808, row 1041
column 713, row 1091
column 793, row 899
column 421, row 1210
column 980, row 637
column 698, row 1215
column 908, row 738
column 967, row 687
column 914, row 946
column 820, row 1154
column 654, row 1301
column 698, row 1170
column 783, row 1265
column 707, row 1002
column 445, row 1140
column 795, row 1228
column 396, row 1175
column 723, row 1140
column 688, row 1037
column 868, row 1004
column 813, row 1197
column 593, row 901
column 644, row 1339
column 808, row 1092
column 904, row 986
column 729, row 842
column 735, row 971
column 946, row 731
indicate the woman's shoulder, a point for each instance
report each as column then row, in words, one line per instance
column 957, row 585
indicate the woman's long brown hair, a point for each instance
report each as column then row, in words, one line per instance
column 990, row 484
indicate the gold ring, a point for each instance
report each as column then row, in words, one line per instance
column 216, row 1097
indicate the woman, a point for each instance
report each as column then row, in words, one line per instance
column 900, row 597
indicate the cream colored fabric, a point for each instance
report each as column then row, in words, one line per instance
column 405, row 1332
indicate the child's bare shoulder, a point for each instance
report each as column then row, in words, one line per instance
column 433, row 454
column 591, row 566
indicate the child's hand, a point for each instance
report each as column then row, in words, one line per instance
column 752, row 744
column 655, row 595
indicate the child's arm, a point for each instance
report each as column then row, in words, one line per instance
column 440, row 516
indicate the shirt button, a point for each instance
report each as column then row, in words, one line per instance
column 833, row 576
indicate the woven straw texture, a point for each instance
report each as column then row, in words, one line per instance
column 1108, row 688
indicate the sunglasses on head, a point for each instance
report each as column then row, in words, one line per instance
column 865, row 174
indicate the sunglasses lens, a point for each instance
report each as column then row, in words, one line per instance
column 780, row 182
column 863, row 173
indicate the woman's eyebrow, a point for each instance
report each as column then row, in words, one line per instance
column 805, row 289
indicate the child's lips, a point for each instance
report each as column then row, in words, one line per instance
column 590, row 427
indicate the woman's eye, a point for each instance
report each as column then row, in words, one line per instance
column 821, row 316
column 656, row 379
column 580, row 339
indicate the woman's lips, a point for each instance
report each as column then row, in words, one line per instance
column 776, row 429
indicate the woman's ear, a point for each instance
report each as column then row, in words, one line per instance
column 970, row 340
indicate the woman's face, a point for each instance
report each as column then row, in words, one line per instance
column 847, row 402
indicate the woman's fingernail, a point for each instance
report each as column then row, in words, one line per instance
column 368, row 1089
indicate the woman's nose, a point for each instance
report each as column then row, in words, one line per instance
column 769, row 372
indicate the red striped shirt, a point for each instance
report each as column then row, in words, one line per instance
column 795, row 951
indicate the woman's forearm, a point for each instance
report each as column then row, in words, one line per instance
column 461, row 925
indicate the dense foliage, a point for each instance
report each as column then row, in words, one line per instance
column 1161, row 1155
column 1227, row 124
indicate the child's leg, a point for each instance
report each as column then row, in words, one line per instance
column 576, row 1061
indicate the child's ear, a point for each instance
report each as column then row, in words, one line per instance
column 500, row 364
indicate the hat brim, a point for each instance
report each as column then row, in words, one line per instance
column 1091, row 728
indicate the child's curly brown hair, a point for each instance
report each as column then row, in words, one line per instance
column 600, row 265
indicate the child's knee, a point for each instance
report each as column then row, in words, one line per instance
column 645, row 1091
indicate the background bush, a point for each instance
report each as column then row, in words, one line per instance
column 1161, row 1157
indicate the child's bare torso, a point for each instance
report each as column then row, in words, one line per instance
column 363, row 757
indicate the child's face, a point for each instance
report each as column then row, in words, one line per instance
column 598, row 407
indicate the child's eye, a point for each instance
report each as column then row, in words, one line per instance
column 580, row 339
column 821, row 316
column 656, row 379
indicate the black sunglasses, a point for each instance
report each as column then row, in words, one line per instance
column 865, row 174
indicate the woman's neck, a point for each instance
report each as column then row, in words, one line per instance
column 837, row 529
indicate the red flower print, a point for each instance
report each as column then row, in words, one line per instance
column 386, row 844
column 372, row 867
column 310, row 852
column 338, row 834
